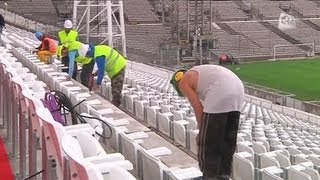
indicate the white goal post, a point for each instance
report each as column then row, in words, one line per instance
column 310, row 53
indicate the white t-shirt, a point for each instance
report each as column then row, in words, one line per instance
column 219, row 89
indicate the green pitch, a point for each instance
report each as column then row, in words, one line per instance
column 299, row 77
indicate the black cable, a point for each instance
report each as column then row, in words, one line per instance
column 34, row 175
column 65, row 103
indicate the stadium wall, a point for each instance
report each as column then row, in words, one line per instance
column 284, row 100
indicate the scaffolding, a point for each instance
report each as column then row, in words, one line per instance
column 101, row 21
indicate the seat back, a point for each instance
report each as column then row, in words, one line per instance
column 267, row 161
column 266, row 175
column 296, row 174
column 258, row 147
column 242, row 168
column 32, row 104
column 52, row 133
column 117, row 172
column 152, row 167
column 77, row 165
column 129, row 148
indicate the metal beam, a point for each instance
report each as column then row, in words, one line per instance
column 107, row 26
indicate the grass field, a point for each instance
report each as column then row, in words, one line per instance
column 299, row 77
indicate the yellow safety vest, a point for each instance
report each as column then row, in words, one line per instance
column 75, row 46
column 115, row 61
column 66, row 39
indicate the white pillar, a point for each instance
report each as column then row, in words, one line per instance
column 88, row 23
column 109, row 12
column 124, row 48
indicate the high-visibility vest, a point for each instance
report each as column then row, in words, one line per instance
column 66, row 39
column 52, row 45
column 115, row 61
column 75, row 46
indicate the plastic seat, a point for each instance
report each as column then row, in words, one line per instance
column 180, row 132
column 184, row 174
column 165, row 123
column 152, row 116
column 152, row 167
column 130, row 147
column 243, row 168
column 82, row 169
column 271, row 173
column 140, row 109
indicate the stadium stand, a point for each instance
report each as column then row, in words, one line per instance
column 274, row 142
column 39, row 10
column 139, row 11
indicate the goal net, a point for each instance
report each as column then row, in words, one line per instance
column 293, row 50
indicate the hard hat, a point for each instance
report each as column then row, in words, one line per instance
column 83, row 50
column 39, row 35
column 177, row 76
column 67, row 24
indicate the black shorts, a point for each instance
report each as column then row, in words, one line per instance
column 217, row 144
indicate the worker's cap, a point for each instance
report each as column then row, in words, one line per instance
column 38, row 35
column 67, row 24
column 83, row 50
column 177, row 76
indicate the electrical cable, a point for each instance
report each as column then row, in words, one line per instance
column 65, row 104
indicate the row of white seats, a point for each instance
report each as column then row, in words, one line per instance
column 51, row 132
column 57, row 81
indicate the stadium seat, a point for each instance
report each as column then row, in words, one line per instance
column 243, row 168
column 165, row 123
column 130, row 147
column 152, row 167
column 271, row 173
column 140, row 109
column 180, row 132
column 184, row 174
column 85, row 169
column 152, row 116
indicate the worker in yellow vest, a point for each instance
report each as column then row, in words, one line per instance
column 108, row 61
column 77, row 55
column 66, row 37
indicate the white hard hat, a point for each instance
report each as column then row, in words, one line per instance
column 83, row 50
column 67, row 24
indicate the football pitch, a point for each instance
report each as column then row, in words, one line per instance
column 298, row 77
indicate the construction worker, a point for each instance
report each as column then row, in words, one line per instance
column 47, row 49
column 66, row 37
column 2, row 23
column 216, row 95
column 113, row 63
column 77, row 53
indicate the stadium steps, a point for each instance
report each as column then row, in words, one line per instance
column 298, row 14
column 195, row 13
column 283, row 35
column 244, row 7
column 232, row 32
column 317, row 2
column 148, row 55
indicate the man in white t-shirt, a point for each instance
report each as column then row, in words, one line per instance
column 216, row 95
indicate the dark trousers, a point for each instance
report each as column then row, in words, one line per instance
column 217, row 144
column 116, row 87
column 65, row 61
column 86, row 72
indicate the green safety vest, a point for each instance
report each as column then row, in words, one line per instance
column 65, row 39
column 71, row 37
column 116, row 62
column 75, row 46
